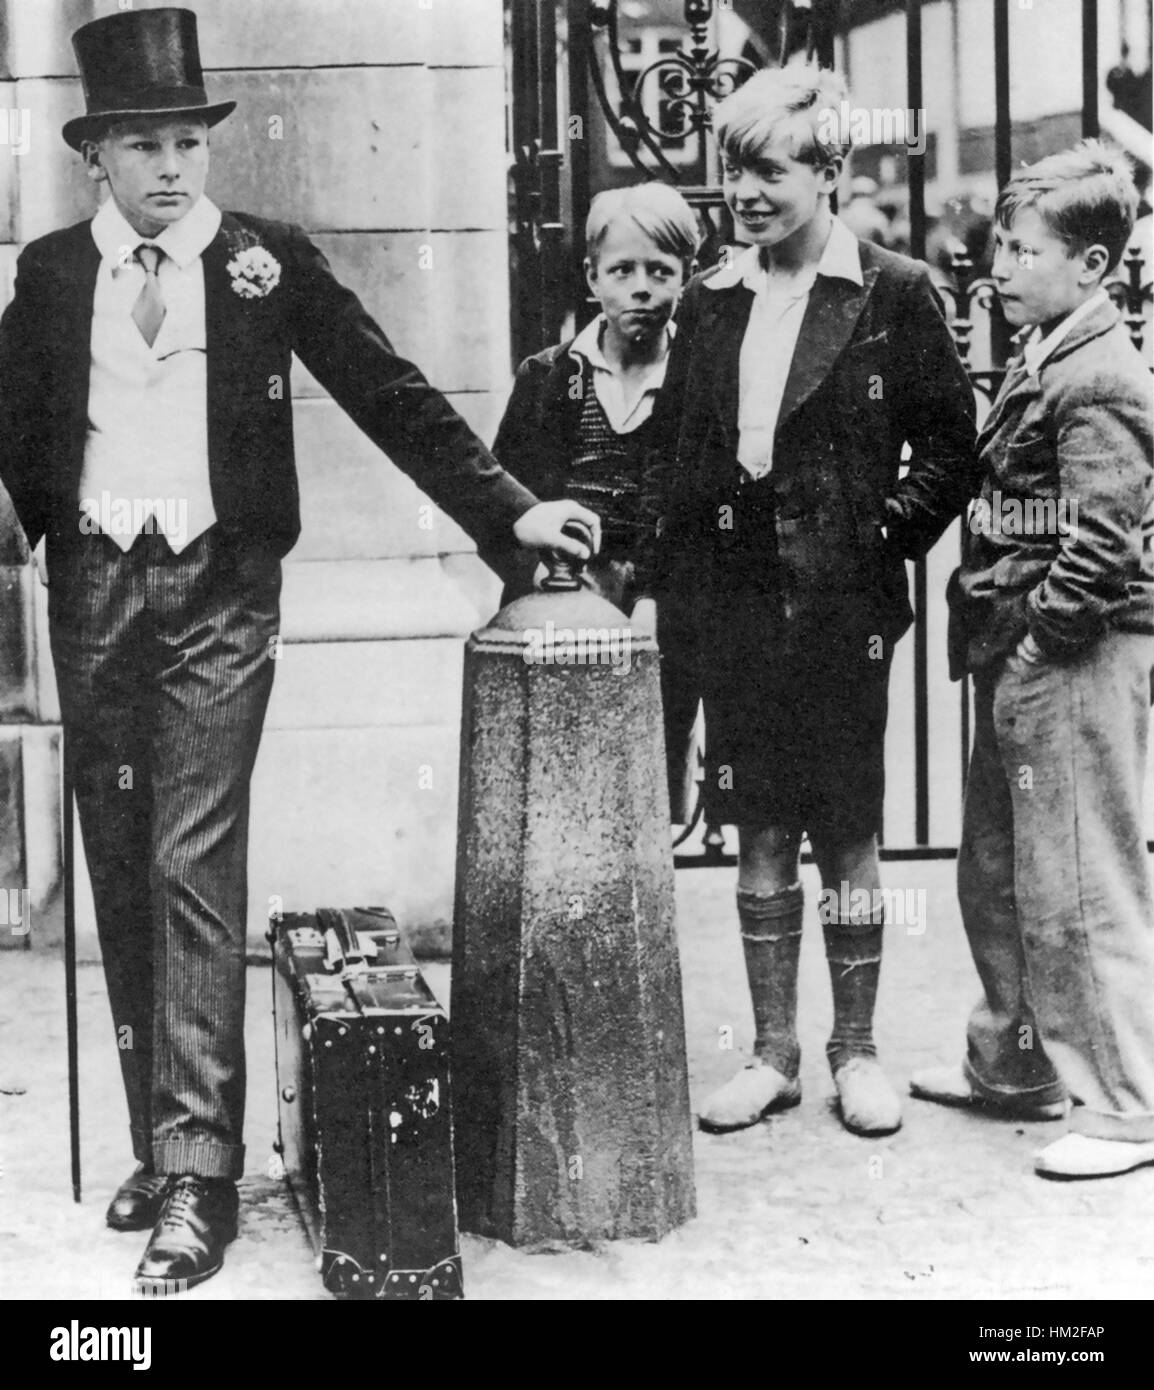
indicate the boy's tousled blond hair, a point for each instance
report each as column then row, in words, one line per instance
column 1086, row 197
column 801, row 100
column 656, row 209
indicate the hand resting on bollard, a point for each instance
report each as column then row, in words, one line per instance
column 549, row 526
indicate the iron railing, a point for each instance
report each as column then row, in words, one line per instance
column 690, row 81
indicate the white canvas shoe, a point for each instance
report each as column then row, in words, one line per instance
column 1081, row 1156
column 868, row 1103
column 756, row 1091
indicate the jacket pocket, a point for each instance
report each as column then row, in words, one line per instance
column 832, row 554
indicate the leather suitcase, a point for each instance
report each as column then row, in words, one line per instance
column 364, row 1118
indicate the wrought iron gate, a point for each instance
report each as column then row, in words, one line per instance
column 657, row 125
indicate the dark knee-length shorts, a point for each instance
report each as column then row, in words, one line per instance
column 795, row 723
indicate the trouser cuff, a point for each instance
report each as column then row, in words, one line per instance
column 141, row 1146
column 1049, row 1093
column 203, row 1158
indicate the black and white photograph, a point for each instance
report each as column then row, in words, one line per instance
column 576, row 664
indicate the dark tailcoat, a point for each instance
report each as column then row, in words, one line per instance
column 163, row 660
column 44, row 369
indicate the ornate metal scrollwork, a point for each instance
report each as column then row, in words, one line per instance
column 1126, row 288
column 691, row 81
column 966, row 294
column 1131, row 293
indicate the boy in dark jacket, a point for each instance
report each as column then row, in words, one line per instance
column 809, row 361
column 594, row 419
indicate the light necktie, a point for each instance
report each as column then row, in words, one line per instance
column 149, row 310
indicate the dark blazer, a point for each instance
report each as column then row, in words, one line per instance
column 1079, row 431
column 45, row 360
column 874, row 368
column 537, row 442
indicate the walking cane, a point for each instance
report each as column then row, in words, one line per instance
column 70, row 968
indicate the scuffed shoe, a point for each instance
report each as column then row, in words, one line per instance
column 951, row 1086
column 868, row 1103
column 1082, row 1156
column 756, row 1091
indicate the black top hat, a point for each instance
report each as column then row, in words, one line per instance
column 140, row 62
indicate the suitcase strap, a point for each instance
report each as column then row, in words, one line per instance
column 342, row 949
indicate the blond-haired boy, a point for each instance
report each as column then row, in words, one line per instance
column 808, row 362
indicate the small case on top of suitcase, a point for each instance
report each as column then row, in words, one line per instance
column 362, row 1062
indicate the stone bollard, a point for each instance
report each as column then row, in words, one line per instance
column 571, row 1097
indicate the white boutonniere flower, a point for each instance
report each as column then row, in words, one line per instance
column 255, row 272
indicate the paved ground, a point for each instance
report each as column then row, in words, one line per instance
column 795, row 1208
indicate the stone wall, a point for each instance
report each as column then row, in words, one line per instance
column 379, row 127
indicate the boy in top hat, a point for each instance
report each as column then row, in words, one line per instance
column 1052, row 611
column 137, row 355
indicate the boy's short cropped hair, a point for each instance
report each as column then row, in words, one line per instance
column 656, row 209
column 1086, row 196
column 804, row 101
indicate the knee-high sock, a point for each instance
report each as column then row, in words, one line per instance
column 771, row 937
column 853, row 950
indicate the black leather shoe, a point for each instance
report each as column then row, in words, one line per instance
column 138, row 1200
column 197, row 1220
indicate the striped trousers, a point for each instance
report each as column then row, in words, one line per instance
column 164, row 667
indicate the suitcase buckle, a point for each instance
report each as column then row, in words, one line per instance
column 307, row 937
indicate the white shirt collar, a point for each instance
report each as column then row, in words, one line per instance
column 1037, row 349
column 182, row 241
column 587, row 344
column 841, row 260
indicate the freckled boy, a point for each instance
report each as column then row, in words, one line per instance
column 594, row 419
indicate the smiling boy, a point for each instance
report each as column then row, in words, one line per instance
column 809, row 360
column 1057, row 629
column 140, row 357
